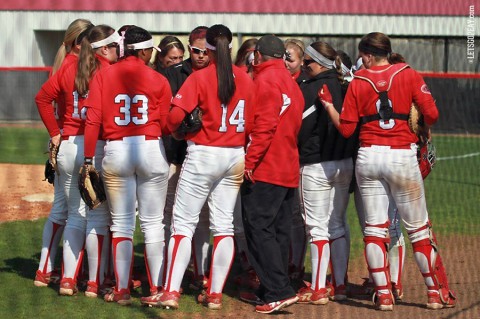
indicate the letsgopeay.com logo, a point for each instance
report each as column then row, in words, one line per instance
column 471, row 35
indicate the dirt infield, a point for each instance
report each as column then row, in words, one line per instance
column 28, row 197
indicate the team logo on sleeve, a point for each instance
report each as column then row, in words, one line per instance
column 425, row 89
column 286, row 103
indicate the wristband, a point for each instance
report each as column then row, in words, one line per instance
column 88, row 160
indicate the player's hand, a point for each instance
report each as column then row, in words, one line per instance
column 55, row 140
column 325, row 96
column 248, row 175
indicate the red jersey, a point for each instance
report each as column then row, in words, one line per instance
column 272, row 152
column 127, row 99
column 75, row 112
column 58, row 89
column 406, row 86
column 222, row 125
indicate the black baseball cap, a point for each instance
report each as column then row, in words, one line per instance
column 271, row 45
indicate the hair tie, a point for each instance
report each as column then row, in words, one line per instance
column 122, row 44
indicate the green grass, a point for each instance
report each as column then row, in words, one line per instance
column 23, row 145
column 453, row 199
column 20, row 244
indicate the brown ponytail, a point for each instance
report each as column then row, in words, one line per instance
column 220, row 37
column 87, row 61
column 73, row 31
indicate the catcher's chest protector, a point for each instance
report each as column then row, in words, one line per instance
column 381, row 81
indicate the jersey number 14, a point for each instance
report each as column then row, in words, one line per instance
column 236, row 119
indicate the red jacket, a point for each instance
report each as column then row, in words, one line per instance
column 272, row 150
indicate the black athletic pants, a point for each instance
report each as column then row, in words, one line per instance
column 267, row 219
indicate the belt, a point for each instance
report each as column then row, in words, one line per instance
column 135, row 137
column 70, row 138
column 393, row 147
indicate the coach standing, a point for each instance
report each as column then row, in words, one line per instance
column 272, row 173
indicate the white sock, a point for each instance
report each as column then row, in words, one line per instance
column 123, row 257
column 52, row 234
column 73, row 244
column 320, row 251
column 339, row 259
column 154, row 258
column 179, row 251
column 222, row 258
column 94, row 246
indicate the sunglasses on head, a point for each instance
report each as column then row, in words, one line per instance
column 198, row 50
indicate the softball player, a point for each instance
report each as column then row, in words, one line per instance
column 131, row 101
column 53, row 229
column 81, row 230
column 171, row 53
column 176, row 151
column 213, row 167
column 387, row 163
column 325, row 176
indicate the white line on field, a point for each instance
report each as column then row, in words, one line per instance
column 459, row 156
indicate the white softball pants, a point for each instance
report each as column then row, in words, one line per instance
column 135, row 169
column 382, row 173
column 70, row 158
column 324, row 194
column 209, row 172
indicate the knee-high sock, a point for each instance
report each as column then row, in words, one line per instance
column 52, row 234
column 155, row 263
column 94, row 246
column 396, row 259
column 339, row 260
column 122, row 261
column 320, row 251
column 200, row 246
column 222, row 259
column 179, row 251
column 73, row 245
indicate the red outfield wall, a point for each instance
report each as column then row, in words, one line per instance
column 368, row 7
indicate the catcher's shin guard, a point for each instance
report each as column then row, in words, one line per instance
column 431, row 265
column 376, row 248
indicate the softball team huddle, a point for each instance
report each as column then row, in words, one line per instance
column 285, row 139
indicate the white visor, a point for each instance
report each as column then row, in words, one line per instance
column 113, row 38
column 143, row 45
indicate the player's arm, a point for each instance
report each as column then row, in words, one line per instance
column 164, row 99
column 345, row 127
column 267, row 112
column 94, row 117
column 49, row 91
column 423, row 98
column 174, row 119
